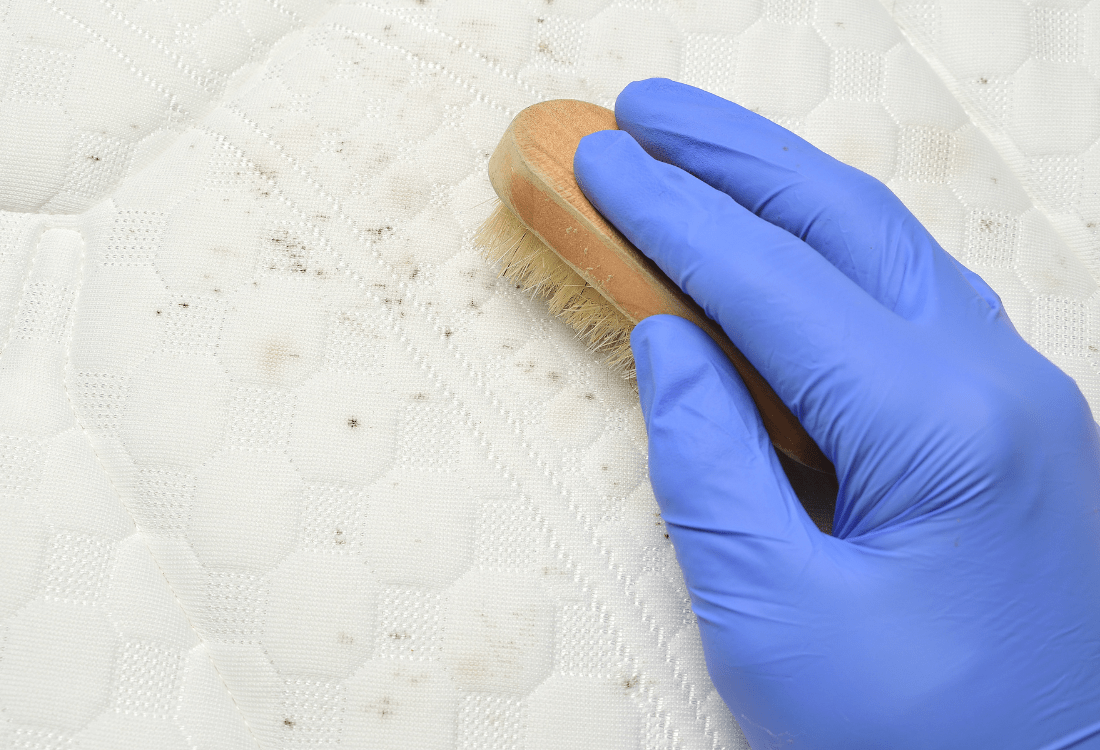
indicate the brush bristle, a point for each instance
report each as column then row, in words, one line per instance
column 524, row 259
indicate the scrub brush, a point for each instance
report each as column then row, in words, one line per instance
column 548, row 239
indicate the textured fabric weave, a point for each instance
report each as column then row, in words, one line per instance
column 283, row 464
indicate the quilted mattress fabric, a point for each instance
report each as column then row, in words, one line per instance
column 283, row 464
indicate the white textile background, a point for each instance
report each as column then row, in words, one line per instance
column 282, row 464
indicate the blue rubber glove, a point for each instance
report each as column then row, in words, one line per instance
column 958, row 603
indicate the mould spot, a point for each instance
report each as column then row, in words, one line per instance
column 290, row 253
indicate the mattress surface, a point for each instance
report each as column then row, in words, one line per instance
column 283, row 464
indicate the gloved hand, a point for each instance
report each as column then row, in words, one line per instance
column 958, row 603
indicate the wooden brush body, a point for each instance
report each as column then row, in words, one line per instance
column 532, row 173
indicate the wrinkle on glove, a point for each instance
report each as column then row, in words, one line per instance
column 958, row 603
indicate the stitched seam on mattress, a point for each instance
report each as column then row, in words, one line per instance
column 31, row 262
column 68, row 347
column 1003, row 145
column 662, row 645
column 114, row 487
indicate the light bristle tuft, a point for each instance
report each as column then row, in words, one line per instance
column 524, row 259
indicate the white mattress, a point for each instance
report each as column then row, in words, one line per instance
column 284, row 465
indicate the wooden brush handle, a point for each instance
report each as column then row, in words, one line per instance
column 532, row 172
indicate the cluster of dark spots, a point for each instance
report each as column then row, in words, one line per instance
column 383, row 710
column 293, row 250
column 379, row 232
column 353, row 422
column 399, row 636
column 339, row 537
column 629, row 683
column 590, row 396
column 474, row 305
column 983, row 80
column 93, row 158
column 321, row 217
column 288, row 723
column 415, row 273
column 420, row 397
column 554, row 376
column 448, row 332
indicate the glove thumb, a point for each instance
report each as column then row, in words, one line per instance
column 741, row 536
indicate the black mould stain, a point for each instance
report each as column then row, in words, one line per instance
column 289, row 252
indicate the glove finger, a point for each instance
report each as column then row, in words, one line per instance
column 997, row 310
column 738, row 528
column 815, row 336
column 849, row 217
